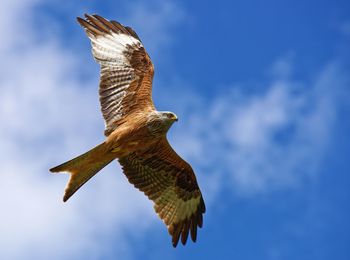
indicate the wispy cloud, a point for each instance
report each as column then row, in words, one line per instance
column 49, row 116
column 264, row 140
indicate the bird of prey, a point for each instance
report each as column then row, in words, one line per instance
column 136, row 132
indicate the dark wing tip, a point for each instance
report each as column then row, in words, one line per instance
column 175, row 244
column 65, row 198
column 89, row 17
column 97, row 25
column 69, row 192
column 56, row 169
column 194, row 230
column 79, row 19
column 202, row 206
column 176, row 233
column 89, row 28
column 185, row 231
column 82, row 22
column 186, row 227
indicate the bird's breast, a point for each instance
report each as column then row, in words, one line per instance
column 126, row 141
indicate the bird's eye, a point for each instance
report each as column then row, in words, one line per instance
column 170, row 116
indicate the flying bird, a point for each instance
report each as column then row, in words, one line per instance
column 136, row 132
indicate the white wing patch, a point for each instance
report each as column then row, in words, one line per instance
column 173, row 209
column 123, row 61
column 113, row 52
column 111, row 49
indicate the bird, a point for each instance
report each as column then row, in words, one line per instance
column 135, row 132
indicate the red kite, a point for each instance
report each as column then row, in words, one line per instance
column 136, row 132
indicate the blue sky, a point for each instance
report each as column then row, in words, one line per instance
column 262, row 91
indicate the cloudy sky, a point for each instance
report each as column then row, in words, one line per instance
column 262, row 92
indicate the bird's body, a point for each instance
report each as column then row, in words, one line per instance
column 136, row 132
column 126, row 138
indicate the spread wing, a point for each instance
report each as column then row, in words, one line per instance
column 126, row 69
column 170, row 182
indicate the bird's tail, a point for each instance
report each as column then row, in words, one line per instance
column 83, row 167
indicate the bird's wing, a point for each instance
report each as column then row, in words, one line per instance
column 126, row 69
column 170, row 183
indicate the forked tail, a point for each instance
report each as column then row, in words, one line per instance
column 83, row 167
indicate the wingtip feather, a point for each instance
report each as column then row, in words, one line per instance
column 66, row 196
column 184, row 233
column 56, row 169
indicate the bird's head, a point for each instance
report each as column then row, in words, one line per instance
column 160, row 121
column 168, row 116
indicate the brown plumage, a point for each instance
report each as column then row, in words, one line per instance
column 136, row 132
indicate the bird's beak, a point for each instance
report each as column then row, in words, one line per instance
column 175, row 118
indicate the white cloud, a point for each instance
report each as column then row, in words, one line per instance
column 48, row 116
column 264, row 140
